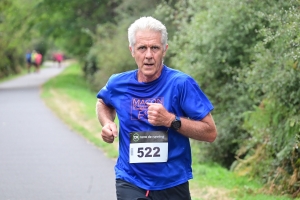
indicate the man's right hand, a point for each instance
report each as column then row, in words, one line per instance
column 109, row 132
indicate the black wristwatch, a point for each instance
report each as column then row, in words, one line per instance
column 176, row 124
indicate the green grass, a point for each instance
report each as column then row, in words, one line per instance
column 241, row 188
column 71, row 89
column 13, row 76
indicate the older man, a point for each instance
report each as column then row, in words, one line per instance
column 159, row 109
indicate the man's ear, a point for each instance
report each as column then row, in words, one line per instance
column 131, row 51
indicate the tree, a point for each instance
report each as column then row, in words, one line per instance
column 13, row 35
column 110, row 53
column 72, row 22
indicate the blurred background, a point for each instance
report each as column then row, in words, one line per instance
column 243, row 53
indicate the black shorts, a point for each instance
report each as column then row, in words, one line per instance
column 128, row 191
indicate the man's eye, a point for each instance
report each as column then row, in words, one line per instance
column 142, row 48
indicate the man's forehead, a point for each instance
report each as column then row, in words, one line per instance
column 148, row 42
column 147, row 35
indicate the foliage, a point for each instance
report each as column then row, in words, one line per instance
column 70, row 22
column 18, row 36
column 274, row 80
column 11, row 48
column 221, row 41
column 110, row 53
column 245, row 55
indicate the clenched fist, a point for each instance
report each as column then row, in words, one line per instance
column 109, row 132
column 158, row 115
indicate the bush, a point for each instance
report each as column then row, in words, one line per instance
column 245, row 56
column 273, row 79
column 219, row 45
column 109, row 55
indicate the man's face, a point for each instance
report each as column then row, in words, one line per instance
column 148, row 54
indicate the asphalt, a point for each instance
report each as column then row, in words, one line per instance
column 40, row 157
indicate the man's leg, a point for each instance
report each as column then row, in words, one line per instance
column 179, row 192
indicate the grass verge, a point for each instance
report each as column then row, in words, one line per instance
column 70, row 98
column 12, row 76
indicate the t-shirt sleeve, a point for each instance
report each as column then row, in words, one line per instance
column 194, row 102
column 105, row 94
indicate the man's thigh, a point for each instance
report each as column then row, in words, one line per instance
column 179, row 192
column 128, row 191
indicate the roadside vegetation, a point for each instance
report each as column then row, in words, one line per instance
column 244, row 55
column 70, row 98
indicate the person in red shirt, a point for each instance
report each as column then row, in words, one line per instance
column 58, row 57
column 38, row 61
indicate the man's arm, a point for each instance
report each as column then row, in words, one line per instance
column 203, row 130
column 106, row 116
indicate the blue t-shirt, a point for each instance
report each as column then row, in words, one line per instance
column 181, row 95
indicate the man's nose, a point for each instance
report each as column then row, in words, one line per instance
column 149, row 53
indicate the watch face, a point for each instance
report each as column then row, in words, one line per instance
column 176, row 125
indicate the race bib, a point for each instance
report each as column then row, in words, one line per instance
column 148, row 147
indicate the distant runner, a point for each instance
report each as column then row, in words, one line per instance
column 58, row 57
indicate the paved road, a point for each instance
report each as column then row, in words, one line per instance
column 40, row 157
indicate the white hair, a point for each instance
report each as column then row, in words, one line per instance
column 147, row 23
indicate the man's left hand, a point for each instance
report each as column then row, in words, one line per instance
column 158, row 115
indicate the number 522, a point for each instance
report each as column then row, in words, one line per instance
column 148, row 152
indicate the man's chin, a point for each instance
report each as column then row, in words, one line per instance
column 148, row 66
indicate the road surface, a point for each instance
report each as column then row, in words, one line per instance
column 40, row 157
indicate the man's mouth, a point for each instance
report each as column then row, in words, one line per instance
column 148, row 64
